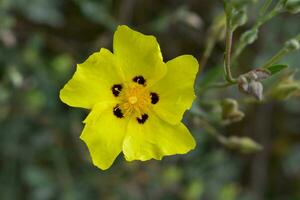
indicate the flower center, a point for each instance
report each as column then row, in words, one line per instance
column 135, row 100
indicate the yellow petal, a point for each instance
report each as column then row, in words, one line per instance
column 138, row 55
column 155, row 139
column 92, row 81
column 176, row 89
column 103, row 135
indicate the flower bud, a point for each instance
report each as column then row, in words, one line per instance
column 244, row 144
column 286, row 88
column 231, row 112
column 258, row 74
column 243, row 84
column 292, row 45
column 249, row 83
column 249, row 36
column 293, row 6
column 285, row 91
column 252, row 75
column 262, row 74
column 256, row 89
column 239, row 18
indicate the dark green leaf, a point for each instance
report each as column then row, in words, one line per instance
column 276, row 68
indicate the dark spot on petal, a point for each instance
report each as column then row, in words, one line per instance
column 140, row 80
column 116, row 89
column 118, row 112
column 154, row 97
column 142, row 119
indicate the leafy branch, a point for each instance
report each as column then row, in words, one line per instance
column 249, row 82
column 232, row 11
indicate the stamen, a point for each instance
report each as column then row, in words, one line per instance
column 140, row 80
column 154, row 97
column 135, row 99
column 142, row 119
column 118, row 112
column 116, row 89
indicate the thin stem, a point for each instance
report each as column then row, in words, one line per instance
column 213, row 131
column 227, row 54
column 281, row 53
column 265, row 7
column 263, row 18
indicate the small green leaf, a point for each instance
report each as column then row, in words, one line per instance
column 276, row 68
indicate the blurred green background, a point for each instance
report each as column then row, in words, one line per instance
column 41, row 155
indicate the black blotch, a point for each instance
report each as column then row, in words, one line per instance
column 154, row 97
column 140, row 80
column 142, row 119
column 118, row 112
column 116, row 89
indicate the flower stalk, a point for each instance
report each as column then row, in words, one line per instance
column 229, row 34
column 289, row 46
column 282, row 52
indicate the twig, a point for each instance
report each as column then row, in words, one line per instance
column 281, row 53
column 265, row 7
column 227, row 54
column 263, row 18
column 213, row 131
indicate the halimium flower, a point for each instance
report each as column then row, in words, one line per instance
column 136, row 100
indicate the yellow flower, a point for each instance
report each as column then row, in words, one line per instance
column 137, row 101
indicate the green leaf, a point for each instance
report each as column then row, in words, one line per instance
column 276, row 68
